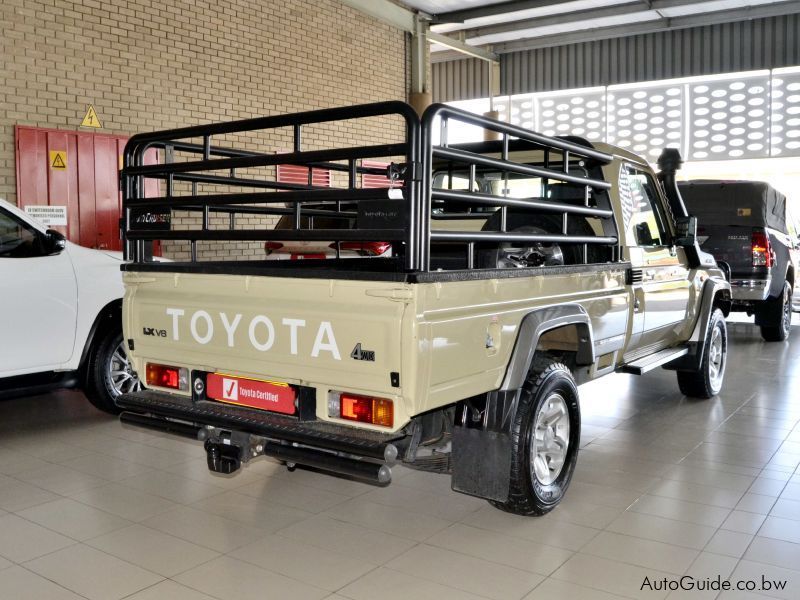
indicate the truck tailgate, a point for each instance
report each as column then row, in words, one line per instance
column 314, row 332
column 729, row 243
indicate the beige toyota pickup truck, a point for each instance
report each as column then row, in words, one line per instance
column 446, row 324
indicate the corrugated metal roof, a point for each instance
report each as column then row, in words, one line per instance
column 740, row 46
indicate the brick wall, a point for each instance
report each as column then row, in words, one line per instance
column 155, row 64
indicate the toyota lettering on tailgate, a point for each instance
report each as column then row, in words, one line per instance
column 261, row 331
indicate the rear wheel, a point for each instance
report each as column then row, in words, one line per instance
column 782, row 306
column 110, row 372
column 545, row 438
column 707, row 381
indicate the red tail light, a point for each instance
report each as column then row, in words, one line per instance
column 365, row 409
column 176, row 378
column 762, row 250
column 270, row 247
column 365, row 248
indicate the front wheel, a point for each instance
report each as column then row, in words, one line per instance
column 706, row 382
column 110, row 372
column 545, row 439
column 780, row 331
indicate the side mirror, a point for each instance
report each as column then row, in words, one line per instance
column 685, row 231
column 54, row 241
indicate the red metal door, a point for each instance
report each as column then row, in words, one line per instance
column 88, row 185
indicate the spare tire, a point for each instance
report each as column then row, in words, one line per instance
column 508, row 254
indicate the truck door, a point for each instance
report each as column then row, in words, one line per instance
column 659, row 274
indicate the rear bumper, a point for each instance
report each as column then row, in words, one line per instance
column 750, row 290
column 290, row 431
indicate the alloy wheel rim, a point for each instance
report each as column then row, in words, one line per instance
column 716, row 357
column 121, row 376
column 550, row 440
column 787, row 310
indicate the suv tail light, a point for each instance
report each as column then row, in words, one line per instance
column 364, row 409
column 762, row 250
column 176, row 378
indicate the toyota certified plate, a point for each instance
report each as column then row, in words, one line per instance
column 252, row 393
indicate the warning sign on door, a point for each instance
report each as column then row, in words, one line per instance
column 91, row 120
column 49, row 216
column 58, row 159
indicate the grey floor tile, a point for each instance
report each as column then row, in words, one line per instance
column 74, row 519
column 774, row 552
column 669, row 531
column 18, row 495
column 92, row 573
column 389, row 519
column 153, row 550
column 466, row 573
column 375, row 547
column 124, row 501
column 18, row 583
column 169, row 590
column 226, row 577
column 319, row 567
column 23, row 540
column 504, row 549
column 611, row 576
column 259, row 512
column 547, row 531
column 641, row 552
column 388, row 584
column 205, row 529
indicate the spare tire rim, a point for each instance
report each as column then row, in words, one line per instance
column 716, row 358
column 519, row 256
column 550, row 443
column 121, row 376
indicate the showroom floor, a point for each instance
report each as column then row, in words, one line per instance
column 665, row 486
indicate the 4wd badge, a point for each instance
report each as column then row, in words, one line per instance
column 359, row 354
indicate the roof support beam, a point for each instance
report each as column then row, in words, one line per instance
column 461, row 47
column 664, row 24
column 489, row 10
column 386, row 11
column 581, row 15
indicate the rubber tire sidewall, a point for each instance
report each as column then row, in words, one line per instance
column 777, row 333
column 698, row 384
column 98, row 388
column 527, row 496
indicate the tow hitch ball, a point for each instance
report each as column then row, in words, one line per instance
column 223, row 458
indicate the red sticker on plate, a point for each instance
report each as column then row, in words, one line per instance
column 263, row 395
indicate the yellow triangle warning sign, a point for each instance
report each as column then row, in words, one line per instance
column 58, row 159
column 91, row 119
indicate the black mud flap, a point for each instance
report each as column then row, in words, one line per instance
column 481, row 463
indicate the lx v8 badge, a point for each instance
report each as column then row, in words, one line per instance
column 155, row 332
column 359, row 354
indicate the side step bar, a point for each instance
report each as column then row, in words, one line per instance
column 648, row 363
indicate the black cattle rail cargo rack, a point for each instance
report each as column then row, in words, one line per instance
column 411, row 234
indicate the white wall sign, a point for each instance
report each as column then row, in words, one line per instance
column 49, row 216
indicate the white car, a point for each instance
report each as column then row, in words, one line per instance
column 60, row 314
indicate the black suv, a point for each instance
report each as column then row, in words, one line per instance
column 747, row 226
